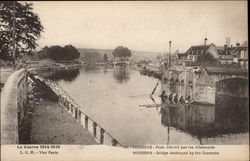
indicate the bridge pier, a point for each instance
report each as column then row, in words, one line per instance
column 197, row 84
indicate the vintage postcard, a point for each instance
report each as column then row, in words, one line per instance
column 124, row 80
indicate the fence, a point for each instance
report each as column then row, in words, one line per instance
column 98, row 132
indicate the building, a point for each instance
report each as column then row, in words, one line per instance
column 168, row 60
column 203, row 54
column 227, row 59
column 198, row 54
column 234, row 54
column 241, row 55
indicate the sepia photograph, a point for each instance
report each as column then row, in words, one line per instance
column 152, row 79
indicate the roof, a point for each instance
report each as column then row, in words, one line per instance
column 227, row 57
column 221, row 48
column 198, row 48
column 225, row 70
column 239, row 48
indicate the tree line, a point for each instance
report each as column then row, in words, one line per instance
column 58, row 53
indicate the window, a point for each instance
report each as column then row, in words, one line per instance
column 242, row 54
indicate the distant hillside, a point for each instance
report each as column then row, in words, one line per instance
column 136, row 55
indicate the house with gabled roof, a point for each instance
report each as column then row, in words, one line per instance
column 234, row 54
column 200, row 53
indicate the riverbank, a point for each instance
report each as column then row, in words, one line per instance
column 47, row 122
column 39, row 120
column 51, row 124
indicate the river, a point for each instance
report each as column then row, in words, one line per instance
column 116, row 97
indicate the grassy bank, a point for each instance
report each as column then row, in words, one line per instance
column 47, row 122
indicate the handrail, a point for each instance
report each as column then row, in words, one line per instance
column 78, row 108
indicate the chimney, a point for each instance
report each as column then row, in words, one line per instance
column 228, row 41
column 205, row 41
column 170, row 58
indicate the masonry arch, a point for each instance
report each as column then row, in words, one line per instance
column 235, row 87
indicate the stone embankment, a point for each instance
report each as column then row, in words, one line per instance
column 51, row 124
column 28, row 116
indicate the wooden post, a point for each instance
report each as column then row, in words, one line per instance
column 68, row 106
column 94, row 128
column 59, row 99
column 72, row 109
column 76, row 113
column 114, row 142
column 102, row 136
column 64, row 102
column 86, row 121
column 79, row 115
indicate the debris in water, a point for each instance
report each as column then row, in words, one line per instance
column 150, row 105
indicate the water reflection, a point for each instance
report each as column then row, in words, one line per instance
column 121, row 74
column 232, row 113
column 91, row 68
column 229, row 116
column 60, row 74
column 113, row 98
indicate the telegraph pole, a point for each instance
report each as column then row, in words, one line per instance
column 13, row 34
column 170, row 56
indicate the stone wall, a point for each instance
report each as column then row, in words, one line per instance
column 13, row 102
column 200, row 86
column 178, row 82
column 204, row 88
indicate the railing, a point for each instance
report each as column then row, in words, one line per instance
column 98, row 132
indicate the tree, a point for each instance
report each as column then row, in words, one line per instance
column 28, row 28
column 121, row 52
column 59, row 53
column 71, row 52
column 105, row 57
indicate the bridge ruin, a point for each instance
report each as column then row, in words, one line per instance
column 202, row 84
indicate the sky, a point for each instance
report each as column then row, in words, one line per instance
column 145, row 26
